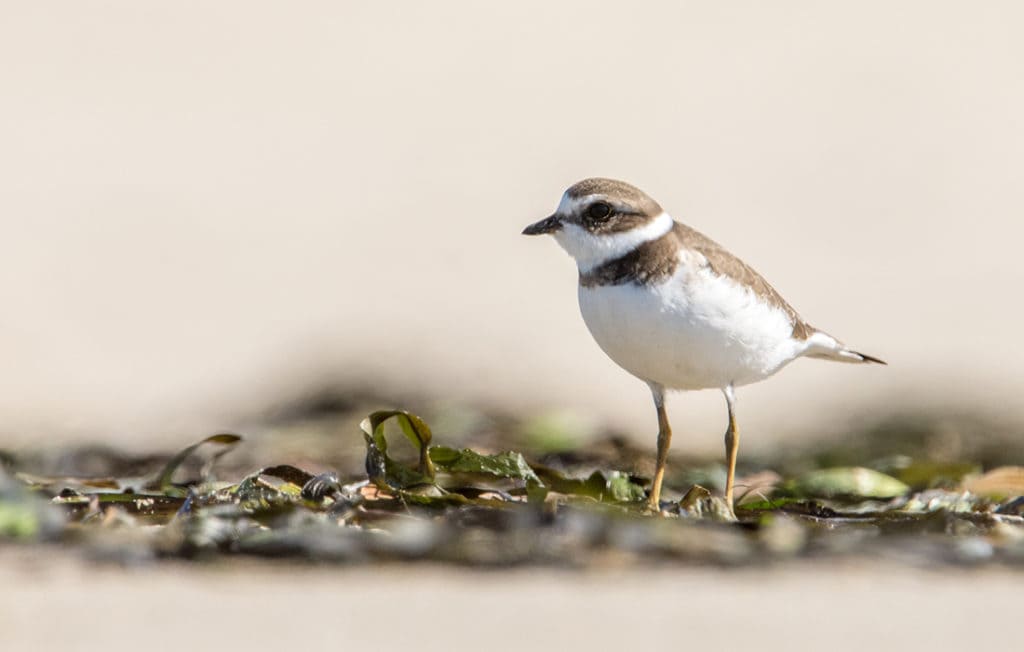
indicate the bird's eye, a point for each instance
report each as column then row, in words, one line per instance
column 599, row 211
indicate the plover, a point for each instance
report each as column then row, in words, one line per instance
column 674, row 308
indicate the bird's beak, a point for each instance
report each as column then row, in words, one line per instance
column 547, row 225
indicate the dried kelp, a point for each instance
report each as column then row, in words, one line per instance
column 500, row 507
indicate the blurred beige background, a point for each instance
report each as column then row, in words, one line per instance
column 210, row 209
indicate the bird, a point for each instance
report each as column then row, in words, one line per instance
column 675, row 309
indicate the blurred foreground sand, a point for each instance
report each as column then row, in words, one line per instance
column 877, row 606
column 210, row 210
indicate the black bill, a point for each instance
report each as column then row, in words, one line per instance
column 547, row 225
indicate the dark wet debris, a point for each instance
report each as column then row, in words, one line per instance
column 416, row 499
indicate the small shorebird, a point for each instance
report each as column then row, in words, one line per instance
column 674, row 308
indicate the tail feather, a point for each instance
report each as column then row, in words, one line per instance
column 823, row 346
column 864, row 357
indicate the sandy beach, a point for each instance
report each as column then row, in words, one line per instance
column 876, row 604
column 211, row 211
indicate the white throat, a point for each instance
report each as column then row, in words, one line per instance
column 592, row 250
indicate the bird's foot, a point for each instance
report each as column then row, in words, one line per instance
column 652, row 508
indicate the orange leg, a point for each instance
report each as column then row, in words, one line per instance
column 664, row 441
column 732, row 445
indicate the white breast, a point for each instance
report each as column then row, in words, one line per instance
column 695, row 331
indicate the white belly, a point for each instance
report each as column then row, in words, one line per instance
column 696, row 332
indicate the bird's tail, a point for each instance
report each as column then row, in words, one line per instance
column 822, row 345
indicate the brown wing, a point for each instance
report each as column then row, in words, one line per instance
column 725, row 264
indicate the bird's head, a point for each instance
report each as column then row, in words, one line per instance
column 601, row 219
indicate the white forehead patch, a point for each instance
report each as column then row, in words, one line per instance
column 568, row 205
column 591, row 250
